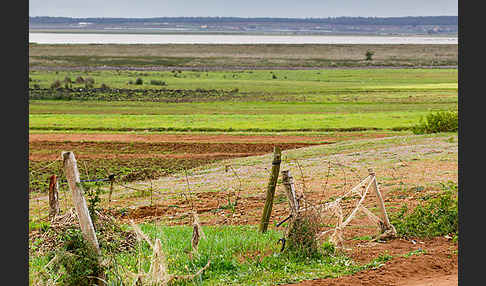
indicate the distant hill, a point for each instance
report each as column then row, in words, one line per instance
column 370, row 25
column 424, row 20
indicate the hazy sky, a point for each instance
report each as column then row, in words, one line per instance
column 242, row 8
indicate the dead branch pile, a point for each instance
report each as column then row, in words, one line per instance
column 107, row 228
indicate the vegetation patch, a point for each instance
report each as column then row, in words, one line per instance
column 440, row 121
column 435, row 217
column 239, row 255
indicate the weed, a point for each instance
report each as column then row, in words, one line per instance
column 414, row 252
column 93, row 198
column 328, row 248
column 365, row 237
column 39, row 225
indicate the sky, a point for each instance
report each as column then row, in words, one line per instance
column 241, row 8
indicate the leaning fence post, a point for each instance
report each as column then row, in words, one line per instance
column 381, row 203
column 272, row 183
column 74, row 183
column 53, row 197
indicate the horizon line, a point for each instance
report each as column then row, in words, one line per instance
column 239, row 17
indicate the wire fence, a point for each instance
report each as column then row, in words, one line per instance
column 336, row 178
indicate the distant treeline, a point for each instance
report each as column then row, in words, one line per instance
column 395, row 21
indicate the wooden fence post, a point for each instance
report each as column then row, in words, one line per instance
column 112, row 179
column 85, row 222
column 381, row 204
column 288, row 183
column 53, row 197
column 267, row 210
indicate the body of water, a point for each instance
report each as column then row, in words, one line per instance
column 120, row 38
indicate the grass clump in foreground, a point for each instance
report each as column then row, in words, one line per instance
column 437, row 216
column 440, row 121
column 239, row 255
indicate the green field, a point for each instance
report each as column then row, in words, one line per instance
column 206, row 122
column 271, row 100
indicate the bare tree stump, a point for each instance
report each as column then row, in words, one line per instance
column 272, row 183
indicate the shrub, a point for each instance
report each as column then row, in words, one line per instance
column 104, row 86
column 302, row 236
column 89, row 82
column 67, row 82
column 441, row 121
column 56, row 84
column 79, row 80
column 157, row 82
column 139, row 81
column 369, row 55
column 437, row 216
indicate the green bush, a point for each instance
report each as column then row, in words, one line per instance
column 441, row 121
column 437, row 216
column 139, row 81
column 369, row 55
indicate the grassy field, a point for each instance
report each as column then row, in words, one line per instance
column 200, row 56
column 207, row 122
column 239, row 255
column 271, row 100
